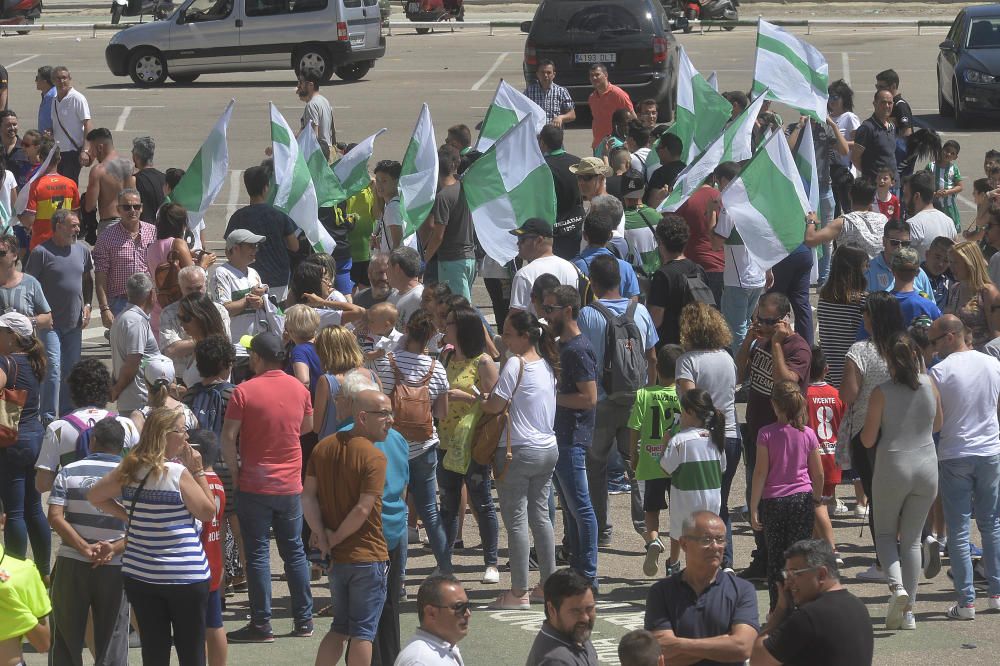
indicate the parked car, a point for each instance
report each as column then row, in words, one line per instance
column 968, row 65
column 632, row 38
column 221, row 36
column 20, row 12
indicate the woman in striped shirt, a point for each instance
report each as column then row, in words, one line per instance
column 841, row 301
column 165, row 572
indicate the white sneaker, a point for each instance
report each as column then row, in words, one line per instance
column 651, row 563
column 491, row 576
column 909, row 622
column 994, row 603
column 841, row 508
column 957, row 612
column 873, row 575
column 931, row 557
column 898, row 602
column 861, row 511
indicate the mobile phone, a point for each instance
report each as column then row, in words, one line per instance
column 476, row 392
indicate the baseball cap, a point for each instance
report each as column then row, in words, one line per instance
column 268, row 346
column 905, row 258
column 241, row 236
column 590, row 166
column 17, row 322
column 158, row 368
column 534, row 226
column 633, row 184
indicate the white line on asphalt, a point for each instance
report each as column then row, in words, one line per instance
column 465, row 90
column 22, row 60
column 845, row 62
column 489, row 72
column 123, row 118
column 234, row 192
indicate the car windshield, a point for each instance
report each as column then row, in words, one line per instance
column 984, row 33
column 590, row 17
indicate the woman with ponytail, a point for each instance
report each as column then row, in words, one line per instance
column 158, row 373
column 695, row 459
column 787, row 480
column 22, row 368
column 528, row 384
column 903, row 415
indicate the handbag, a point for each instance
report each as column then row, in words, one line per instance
column 12, row 402
column 486, row 437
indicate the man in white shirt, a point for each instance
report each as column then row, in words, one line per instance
column 968, row 459
column 70, row 124
column 238, row 288
column 534, row 246
column 926, row 221
column 444, row 611
column 318, row 113
column 404, row 277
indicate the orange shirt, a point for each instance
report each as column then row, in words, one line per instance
column 48, row 194
column 602, row 106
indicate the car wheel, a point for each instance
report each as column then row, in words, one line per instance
column 147, row 68
column 944, row 108
column 423, row 31
column 961, row 117
column 355, row 71
column 184, row 78
column 315, row 58
column 27, row 21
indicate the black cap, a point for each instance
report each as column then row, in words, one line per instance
column 534, row 226
column 633, row 184
column 268, row 347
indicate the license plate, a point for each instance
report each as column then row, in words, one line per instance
column 590, row 58
column 413, row 7
column 358, row 40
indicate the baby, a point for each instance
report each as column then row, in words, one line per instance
column 382, row 337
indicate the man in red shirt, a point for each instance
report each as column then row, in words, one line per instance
column 605, row 100
column 268, row 413
column 701, row 212
column 50, row 192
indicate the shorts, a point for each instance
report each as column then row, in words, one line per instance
column 656, row 494
column 831, row 474
column 358, row 594
column 213, row 610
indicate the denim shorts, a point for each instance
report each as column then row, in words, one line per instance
column 358, row 594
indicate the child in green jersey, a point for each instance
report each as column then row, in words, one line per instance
column 655, row 418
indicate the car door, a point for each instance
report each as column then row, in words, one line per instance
column 204, row 36
column 373, row 24
column 947, row 59
column 272, row 28
column 354, row 17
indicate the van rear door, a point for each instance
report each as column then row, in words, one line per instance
column 354, row 16
column 373, row 23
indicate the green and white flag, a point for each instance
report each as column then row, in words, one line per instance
column 701, row 111
column 735, row 143
column 419, row 177
column 768, row 203
column 206, row 175
column 328, row 190
column 507, row 185
column 791, row 70
column 508, row 108
column 805, row 162
column 348, row 175
column 713, row 80
column 351, row 170
column 296, row 195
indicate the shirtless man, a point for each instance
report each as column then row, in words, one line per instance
column 110, row 175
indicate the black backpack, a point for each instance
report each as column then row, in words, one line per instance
column 625, row 368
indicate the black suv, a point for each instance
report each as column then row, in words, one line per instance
column 631, row 38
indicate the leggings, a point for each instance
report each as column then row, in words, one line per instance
column 523, row 485
column 863, row 462
column 786, row 520
column 162, row 610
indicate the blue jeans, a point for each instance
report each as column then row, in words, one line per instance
column 827, row 204
column 62, row 350
column 581, row 528
column 458, row 274
column 25, row 517
column 358, row 594
column 970, row 485
column 283, row 513
column 477, row 481
column 738, row 304
column 423, row 487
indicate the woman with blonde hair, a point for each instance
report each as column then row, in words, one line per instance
column 706, row 364
column 164, row 569
column 973, row 298
column 339, row 353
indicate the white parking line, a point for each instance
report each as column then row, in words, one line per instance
column 22, row 61
column 489, row 72
column 234, row 192
column 845, row 63
column 123, row 118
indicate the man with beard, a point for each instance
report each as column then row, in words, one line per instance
column 570, row 613
column 444, row 611
column 703, row 614
column 378, row 277
column 318, row 110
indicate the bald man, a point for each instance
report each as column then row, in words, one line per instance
column 342, row 502
column 968, row 458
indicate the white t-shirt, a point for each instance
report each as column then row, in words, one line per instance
column 520, row 290
column 69, row 114
column 969, row 384
column 392, row 217
column 6, row 199
column 61, row 437
column 740, row 269
column 927, row 225
column 413, row 368
column 406, row 304
column 639, row 159
column 848, row 122
column 532, row 412
column 228, row 283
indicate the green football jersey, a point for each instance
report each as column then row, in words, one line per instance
column 656, row 415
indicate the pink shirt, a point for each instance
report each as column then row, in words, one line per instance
column 270, row 407
column 119, row 257
column 788, row 459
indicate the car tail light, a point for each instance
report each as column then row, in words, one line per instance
column 530, row 57
column 342, row 35
column 659, row 49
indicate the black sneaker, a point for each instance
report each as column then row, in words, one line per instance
column 604, row 539
column 251, row 634
column 756, row 572
column 303, row 631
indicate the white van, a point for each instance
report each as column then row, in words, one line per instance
column 216, row 36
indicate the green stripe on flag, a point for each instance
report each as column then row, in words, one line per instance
column 482, row 183
column 497, row 121
column 534, row 196
column 818, row 81
column 191, row 187
column 279, row 135
column 774, row 196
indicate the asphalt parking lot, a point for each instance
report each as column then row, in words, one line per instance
column 456, row 73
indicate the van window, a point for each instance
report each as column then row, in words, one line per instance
column 207, row 10
column 299, row 6
column 593, row 17
column 370, row 3
column 352, row 4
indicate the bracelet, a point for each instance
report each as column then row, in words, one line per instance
column 199, row 473
column 105, row 307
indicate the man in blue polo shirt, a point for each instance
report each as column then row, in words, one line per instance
column 879, row 274
column 703, row 614
column 598, row 228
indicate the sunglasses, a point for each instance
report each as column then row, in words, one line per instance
column 381, row 413
column 525, row 238
column 137, row 206
column 549, row 309
column 458, row 609
column 898, row 243
column 792, row 573
column 586, row 176
column 834, row 97
column 768, row 321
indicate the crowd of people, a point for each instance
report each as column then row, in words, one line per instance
column 338, row 403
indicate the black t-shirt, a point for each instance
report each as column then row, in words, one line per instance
column 614, row 185
column 150, row 183
column 272, row 256
column 568, row 229
column 832, row 630
column 902, row 114
column 577, row 363
column 665, row 176
column 669, row 291
column 879, row 143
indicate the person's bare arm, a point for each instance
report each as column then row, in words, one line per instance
column 301, row 372
column 292, row 242
column 440, row 406
column 843, row 147
column 43, row 320
column 743, row 354
column 757, row 485
column 670, row 649
column 684, row 385
column 781, row 372
column 91, row 197
column 230, row 431
column 433, row 234
column 87, row 126
column 307, row 423
column 43, row 478
column 40, row 636
column 856, row 151
column 938, row 414
column 584, row 398
column 126, row 375
column 312, row 513
column 656, row 314
column 101, row 282
column 651, row 366
column 991, row 301
column 354, row 520
column 69, row 536
column 850, row 384
column 319, row 405
column 873, row 420
column 395, row 235
column 104, row 494
column 816, row 475
column 197, row 496
column 733, row 647
column 815, row 236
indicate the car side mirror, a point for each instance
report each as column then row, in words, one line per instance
column 526, row 26
column 948, row 45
